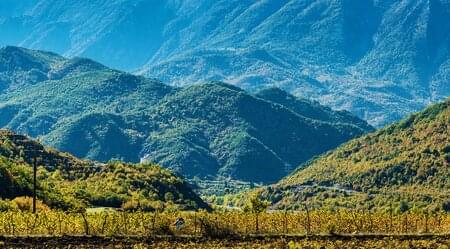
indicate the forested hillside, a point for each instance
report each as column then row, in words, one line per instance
column 405, row 164
column 206, row 130
column 68, row 183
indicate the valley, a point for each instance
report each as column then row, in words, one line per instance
column 277, row 124
column 225, row 141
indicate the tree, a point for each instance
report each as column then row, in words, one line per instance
column 256, row 206
column 403, row 207
column 446, row 206
column 169, row 197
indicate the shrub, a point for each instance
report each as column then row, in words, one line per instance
column 130, row 206
column 148, row 206
column 6, row 205
column 214, row 229
column 107, row 199
column 25, row 204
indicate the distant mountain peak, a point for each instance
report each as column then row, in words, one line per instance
column 44, row 56
column 73, row 66
column 381, row 60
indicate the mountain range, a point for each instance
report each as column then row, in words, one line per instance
column 403, row 166
column 381, row 60
column 206, row 130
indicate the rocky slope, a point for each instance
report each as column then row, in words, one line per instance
column 379, row 59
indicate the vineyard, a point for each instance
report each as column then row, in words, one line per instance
column 308, row 229
column 220, row 224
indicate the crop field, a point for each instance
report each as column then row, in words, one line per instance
column 314, row 229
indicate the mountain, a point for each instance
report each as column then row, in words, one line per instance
column 405, row 165
column 205, row 130
column 311, row 109
column 66, row 88
column 378, row 59
column 68, row 183
column 216, row 128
